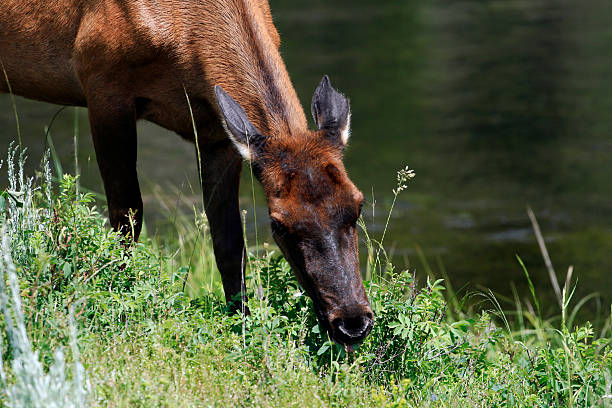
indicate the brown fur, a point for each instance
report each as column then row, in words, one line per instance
column 132, row 59
column 136, row 59
column 58, row 51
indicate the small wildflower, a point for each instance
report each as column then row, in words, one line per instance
column 403, row 176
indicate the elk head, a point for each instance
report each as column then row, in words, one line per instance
column 314, row 207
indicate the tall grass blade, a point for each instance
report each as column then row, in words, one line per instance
column 75, row 137
column 59, row 171
column 542, row 244
column 579, row 305
column 197, row 144
column 531, row 287
column 13, row 103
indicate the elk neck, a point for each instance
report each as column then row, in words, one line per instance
column 238, row 50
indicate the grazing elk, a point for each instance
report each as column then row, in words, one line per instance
column 137, row 59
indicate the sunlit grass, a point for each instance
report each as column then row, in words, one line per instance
column 154, row 331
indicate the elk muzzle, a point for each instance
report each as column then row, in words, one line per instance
column 350, row 324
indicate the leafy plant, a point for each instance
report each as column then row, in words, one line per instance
column 29, row 385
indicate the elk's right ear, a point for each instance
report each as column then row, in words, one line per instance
column 240, row 130
column 331, row 111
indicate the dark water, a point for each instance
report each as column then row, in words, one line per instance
column 496, row 104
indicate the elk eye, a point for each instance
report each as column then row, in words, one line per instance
column 352, row 217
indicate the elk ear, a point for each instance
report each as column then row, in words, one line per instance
column 331, row 110
column 240, row 130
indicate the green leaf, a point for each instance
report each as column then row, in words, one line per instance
column 67, row 269
column 323, row 348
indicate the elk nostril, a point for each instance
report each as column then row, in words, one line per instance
column 352, row 329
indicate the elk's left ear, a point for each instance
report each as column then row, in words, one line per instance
column 331, row 110
column 241, row 131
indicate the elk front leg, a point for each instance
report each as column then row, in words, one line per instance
column 220, row 170
column 113, row 127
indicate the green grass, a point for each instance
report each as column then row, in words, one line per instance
column 153, row 331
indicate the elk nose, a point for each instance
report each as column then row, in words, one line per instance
column 352, row 328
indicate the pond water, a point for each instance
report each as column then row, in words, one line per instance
column 496, row 105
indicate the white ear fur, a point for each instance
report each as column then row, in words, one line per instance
column 345, row 133
column 236, row 124
column 243, row 149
